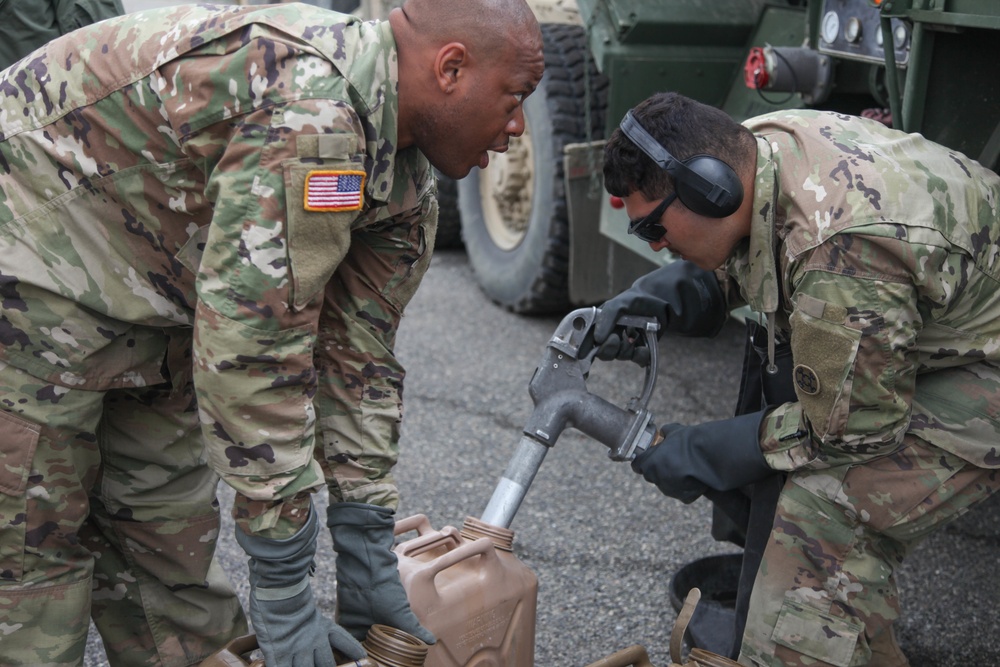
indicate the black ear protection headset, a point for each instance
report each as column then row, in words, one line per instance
column 705, row 184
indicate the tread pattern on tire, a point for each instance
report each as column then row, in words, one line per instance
column 568, row 60
column 449, row 230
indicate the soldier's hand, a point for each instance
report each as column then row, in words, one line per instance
column 683, row 298
column 691, row 460
column 624, row 344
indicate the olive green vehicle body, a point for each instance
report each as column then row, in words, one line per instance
column 945, row 83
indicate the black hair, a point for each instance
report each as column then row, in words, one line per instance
column 685, row 128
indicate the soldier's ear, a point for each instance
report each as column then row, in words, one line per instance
column 449, row 66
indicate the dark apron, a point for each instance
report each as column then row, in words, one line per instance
column 744, row 516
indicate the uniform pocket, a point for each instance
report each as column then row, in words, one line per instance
column 17, row 451
column 824, row 352
column 324, row 199
column 410, row 256
column 410, row 269
column 824, row 637
column 381, row 416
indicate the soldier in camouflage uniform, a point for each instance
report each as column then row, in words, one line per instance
column 211, row 219
column 877, row 253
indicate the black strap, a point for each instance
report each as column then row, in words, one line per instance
column 752, row 508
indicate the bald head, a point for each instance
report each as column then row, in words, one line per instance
column 465, row 68
column 486, row 27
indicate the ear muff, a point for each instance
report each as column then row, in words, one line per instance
column 705, row 184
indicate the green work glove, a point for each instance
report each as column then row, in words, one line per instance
column 691, row 460
column 368, row 587
column 685, row 300
column 290, row 629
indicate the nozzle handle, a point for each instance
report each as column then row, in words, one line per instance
column 647, row 328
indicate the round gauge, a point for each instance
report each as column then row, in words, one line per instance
column 899, row 35
column 830, row 28
column 852, row 31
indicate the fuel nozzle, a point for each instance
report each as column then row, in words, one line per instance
column 559, row 391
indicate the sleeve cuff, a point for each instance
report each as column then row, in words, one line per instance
column 785, row 439
column 274, row 518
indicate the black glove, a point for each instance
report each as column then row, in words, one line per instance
column 721, row 456
column 684, row 298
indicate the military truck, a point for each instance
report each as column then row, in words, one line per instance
column 541, row 234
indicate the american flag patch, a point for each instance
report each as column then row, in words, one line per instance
column 334, row 190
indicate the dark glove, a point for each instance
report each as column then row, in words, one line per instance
column 721, row 456
column 290, row 629
column 369, row 590
column 685, row 299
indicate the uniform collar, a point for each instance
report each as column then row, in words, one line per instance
column 761, row 287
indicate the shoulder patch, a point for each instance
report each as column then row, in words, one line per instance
column 330, row 190
column 806, row 380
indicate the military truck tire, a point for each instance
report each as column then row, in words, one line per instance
column 449, row 231
column 515, row 223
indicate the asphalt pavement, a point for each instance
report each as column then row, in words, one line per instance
column 603, row 542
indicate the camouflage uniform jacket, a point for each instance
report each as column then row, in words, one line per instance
column 888, row 262
column 164, row 180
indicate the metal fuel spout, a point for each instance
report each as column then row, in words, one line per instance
column 558, row 389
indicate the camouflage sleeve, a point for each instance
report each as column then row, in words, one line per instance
column 854, row 326
column 265, row 261
column 359, row 403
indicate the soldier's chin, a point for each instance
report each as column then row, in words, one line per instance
column 454, row 171
column 484, row 160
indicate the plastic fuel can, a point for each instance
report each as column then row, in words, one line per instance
column 471, row 591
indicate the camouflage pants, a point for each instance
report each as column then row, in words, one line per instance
column 107, row 510
column 825, row 593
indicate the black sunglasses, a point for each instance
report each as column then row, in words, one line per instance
column 648, row 227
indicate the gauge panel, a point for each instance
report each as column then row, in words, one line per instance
column 851, row 29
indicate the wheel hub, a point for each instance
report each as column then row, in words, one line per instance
column 506, row 191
